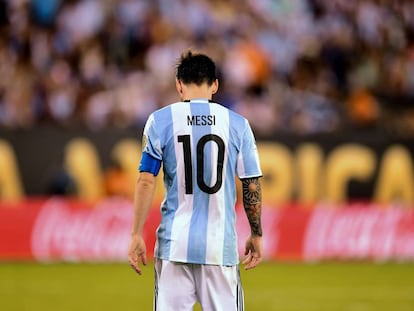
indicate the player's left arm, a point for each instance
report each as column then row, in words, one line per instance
column 252, row 203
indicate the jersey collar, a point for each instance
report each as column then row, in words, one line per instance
column 198, row 100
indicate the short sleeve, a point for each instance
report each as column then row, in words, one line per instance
column 248, row 164
column 151, row 143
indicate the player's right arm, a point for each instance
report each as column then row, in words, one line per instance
column 252, row 203
column 144, row 192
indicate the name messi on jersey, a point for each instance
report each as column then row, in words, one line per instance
column 200, row 120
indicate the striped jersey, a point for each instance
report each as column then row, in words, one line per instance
column 202, row 146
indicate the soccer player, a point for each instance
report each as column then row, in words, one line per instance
column 202, row 146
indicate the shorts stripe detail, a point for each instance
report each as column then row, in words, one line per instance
column 240, row 294
column 155, row 290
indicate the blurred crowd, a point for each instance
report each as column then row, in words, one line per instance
column 295, row 66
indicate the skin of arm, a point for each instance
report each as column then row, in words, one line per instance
column 252, row 203
column 144, row 192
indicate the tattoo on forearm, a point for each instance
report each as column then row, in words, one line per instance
column 252, row 202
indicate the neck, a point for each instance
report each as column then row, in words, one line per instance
column 196, row 92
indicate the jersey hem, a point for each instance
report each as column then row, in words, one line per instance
column 251, row 176
column 194, row 262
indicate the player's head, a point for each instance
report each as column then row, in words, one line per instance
column 196, row 68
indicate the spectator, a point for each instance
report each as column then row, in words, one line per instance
column 106, row 63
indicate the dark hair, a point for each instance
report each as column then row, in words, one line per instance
column 196, row 68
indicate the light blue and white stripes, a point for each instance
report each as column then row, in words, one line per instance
column 203, row 146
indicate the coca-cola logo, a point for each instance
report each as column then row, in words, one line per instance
column 66, row 231
column 365, row 231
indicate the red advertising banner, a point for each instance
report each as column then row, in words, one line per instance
column 16, row 224
column 70, row 230
column 360, row 232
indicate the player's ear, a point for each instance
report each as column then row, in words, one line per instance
column 215, row 86
column 179, row 87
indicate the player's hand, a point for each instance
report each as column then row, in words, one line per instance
column 137, row 253
column 253, row 252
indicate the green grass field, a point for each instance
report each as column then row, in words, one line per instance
column 271, row 286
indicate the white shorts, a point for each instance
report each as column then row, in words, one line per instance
column 178, row 286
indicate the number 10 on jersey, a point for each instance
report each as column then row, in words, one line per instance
column 188, row 162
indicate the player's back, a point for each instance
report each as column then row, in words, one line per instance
column 200, row 143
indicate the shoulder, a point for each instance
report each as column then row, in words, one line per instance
column 238, row 118
column 162, row 111
column 234, row 116
column 160, row 121
column 238, row 123
column 166, row 111
column 162, row 114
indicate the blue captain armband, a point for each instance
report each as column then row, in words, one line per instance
column 149, row 164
